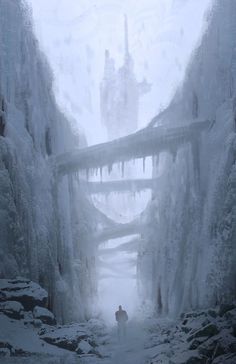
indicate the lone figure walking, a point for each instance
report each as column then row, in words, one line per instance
column 121, row 318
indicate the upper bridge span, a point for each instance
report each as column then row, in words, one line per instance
column 144, row 143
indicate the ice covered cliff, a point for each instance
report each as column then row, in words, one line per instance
column 190, row 253
column 42, row 222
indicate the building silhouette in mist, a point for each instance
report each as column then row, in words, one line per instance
column 119, row 94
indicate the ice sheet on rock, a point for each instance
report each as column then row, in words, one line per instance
column 28, row 293
column 84, row 347
column 12, row 305
column 190, row 356
column 44, row 314
column 25, row 340
column 67, row 337
column 12, row 309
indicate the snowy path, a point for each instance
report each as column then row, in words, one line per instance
column 132, row 351
column 129, row 352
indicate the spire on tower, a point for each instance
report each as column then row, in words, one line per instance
column 127, row 55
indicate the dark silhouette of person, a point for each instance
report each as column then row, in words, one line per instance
column 121, row 318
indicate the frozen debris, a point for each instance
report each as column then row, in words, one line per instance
column 188, row 357
column 66, row 337
column 5, row 352
column 208, row 331
column 28, row 318
column 28, row 293
column 12, row 309
column 225, row 359
column 37, row 323
column 210, row 337
column 23, row 341
column 44, row 315
column 212, row 313
column 224, row 308
column 84, row 348
column 213, row 347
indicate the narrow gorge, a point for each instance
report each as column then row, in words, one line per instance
column 145, row 218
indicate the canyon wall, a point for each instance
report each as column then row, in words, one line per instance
column 189, row 258
column 43, row 234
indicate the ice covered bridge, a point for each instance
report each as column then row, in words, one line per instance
column 147, row 142
column 144, row 143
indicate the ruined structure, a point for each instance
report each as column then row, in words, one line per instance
column 119, row 94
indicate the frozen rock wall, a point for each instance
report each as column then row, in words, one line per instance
column 190, row 254
column 41, row 235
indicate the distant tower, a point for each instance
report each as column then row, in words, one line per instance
column 119, row 94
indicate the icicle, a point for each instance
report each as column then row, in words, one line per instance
column 87, row 174
column 153, row 161
column 132, row 186
column 96, row 171
column 109, row 167
column 174, row 155
column 122, row 169
column 144, row 160
column 100, row 173
column 106, row 197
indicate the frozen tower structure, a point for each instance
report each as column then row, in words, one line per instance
column 119, row 94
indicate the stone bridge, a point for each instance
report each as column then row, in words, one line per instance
column 147, row 142
column 128, row 247
column 144, row 143
column 118, row 231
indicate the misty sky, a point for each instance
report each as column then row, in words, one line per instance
column 74, row 35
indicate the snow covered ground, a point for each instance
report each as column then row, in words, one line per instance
column 199, row 337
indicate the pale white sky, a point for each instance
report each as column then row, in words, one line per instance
column 75, row 33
